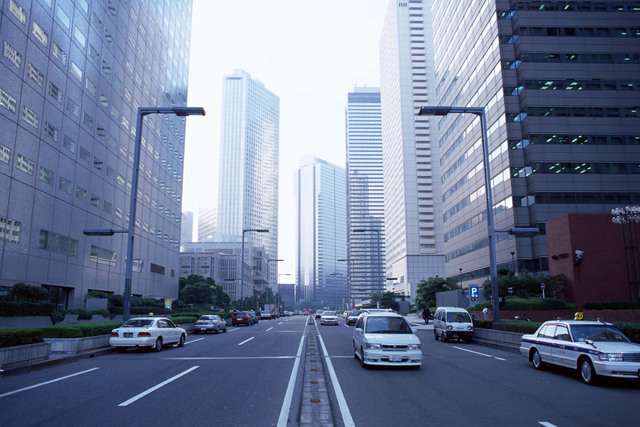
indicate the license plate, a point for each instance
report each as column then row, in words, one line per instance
column 128, row 334
column 203, row 329
column 395, row 358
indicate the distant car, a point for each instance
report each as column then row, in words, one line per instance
column 318, row 314
column 150, row 332
column 351, row 318
column 255, row 317
column 385, row 339
column 210, row 323
column 265, row 314
column 241, row 318
column 591, row 348
column 329, row 318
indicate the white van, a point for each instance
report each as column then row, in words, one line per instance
column 452, row 322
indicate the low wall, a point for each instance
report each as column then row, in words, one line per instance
column 512, row 338
column 544, row 315
column 77, row 345
column 24, row 354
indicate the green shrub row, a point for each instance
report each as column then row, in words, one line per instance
column 80, row 330
column 10, row 337
column 14, row 308
column 181, row 320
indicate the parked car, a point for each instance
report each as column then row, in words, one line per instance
column 351, row 318
column 254, row 316
column 385, row 339
column 241, row 318
column 592, row 348
column 150, row 332
column 210, row 323
column 452, row 323
column 265, row 314
column 318, row 314
column 329, row 318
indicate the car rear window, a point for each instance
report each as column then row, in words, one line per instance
column 137, row 323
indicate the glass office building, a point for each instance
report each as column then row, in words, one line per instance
column 413, row 219
column 72, row 76
column 321, row 233
column 249, row 149
column 365, row 194
column 559, row 82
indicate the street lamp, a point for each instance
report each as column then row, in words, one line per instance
column 142, row 111
column 479, row 111
column 257, row 230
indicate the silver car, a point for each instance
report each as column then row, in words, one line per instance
column 591, row 348
column 210, row 323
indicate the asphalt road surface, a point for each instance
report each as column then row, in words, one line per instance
column 253, row 376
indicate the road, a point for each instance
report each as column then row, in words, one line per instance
column 253, row 376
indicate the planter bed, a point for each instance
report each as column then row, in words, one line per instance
column 24, row 354
column 77, row 345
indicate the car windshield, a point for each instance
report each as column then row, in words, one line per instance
column 598, row 333
column 329, row 313
column 458, row 316
column 354, row 313
column 138, row 323
column 387, row 325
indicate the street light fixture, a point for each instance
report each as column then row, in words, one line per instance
column 257, row 230
column 142, row 111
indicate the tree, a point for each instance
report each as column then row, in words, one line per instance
column 199, row 293
column 525, row 285
column 427, row 289
column 27, row 293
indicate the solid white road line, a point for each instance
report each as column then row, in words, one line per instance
column 478, row 353
column 45, row 383
column 286, row 403
column 269, row 329
column 546, row 424
column 231, row 358
column 342, row 403
column 152, row 389
column 246, row 341
column 192, row 341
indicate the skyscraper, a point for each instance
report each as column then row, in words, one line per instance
column 72, row 76
column 413, row 221
column 207, row 221
column 559, row 84
column 248, row 192
column 321, row 233
column 186, row 228
column 365, row 195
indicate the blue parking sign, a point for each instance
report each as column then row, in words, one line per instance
column 473, row 293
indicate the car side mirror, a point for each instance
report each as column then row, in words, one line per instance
column 358, row 330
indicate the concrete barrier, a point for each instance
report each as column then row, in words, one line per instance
column 24, row 354
column 511, row 338
column 77, row 345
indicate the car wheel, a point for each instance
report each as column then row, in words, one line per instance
column 444, row 336
column 158, row 346
column 587, row 373
column 536, row 360
column 182, row 340
column 121, row 349
column 217, row 331
column 435, row 335
column 355, row 353
column 364, row 365
column 225, row 329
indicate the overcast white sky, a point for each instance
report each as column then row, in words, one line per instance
column 310, row 53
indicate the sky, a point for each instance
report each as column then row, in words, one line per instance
column 310, row 53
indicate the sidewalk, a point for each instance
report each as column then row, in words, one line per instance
column 418, row 323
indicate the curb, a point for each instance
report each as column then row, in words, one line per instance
column 55, row 361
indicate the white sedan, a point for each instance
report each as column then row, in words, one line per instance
column 592, row 348
column 151, row 332
column 329, row 318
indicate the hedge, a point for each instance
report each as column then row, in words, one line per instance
column 80, row 330
column 10, row 337
column 181, row 320
column 13, row 308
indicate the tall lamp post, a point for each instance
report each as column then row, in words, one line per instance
column 128, row 275
column 257, row 230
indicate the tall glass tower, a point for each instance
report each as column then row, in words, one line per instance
column 365, row 195
column 321, row 233
column 248, row 193
column 413, row 218
column 72, row 76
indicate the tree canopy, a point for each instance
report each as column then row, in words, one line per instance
column 426, row 290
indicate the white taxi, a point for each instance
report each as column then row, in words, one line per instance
column 329, row 318
column 592, row 348
column 151, row 332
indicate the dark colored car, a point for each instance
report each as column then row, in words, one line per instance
column 352, row 317
column 241, row 318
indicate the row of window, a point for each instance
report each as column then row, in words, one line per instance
column 570, row 84
column 575, row 168
column 579, row 31
column 572, row 6
column 562, row 139
column 612, row 112
column 572, row 58
column 581, row 198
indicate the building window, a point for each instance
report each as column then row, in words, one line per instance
column 55, row 92
column 81, row 193
column 39, row 33
column 51, row 131
column 63, row 17
column 155, row 268
column 18, row 11
column 75, row 71
column 72, row 107
column 9, row 230
column 46, row 175
column 65, row 185
column 35, row 75
column 80, row 38
column 90, row 86
column 7, row 101
column 60, row 54
column 85, row 155
column 95, row 200
column 12, row 55
column 30, row 117
column 24, row 164
column 107, row 207
column 102, row 256
column 69, row 144
column 5, row 154
column 87, row 120
column 58, row 243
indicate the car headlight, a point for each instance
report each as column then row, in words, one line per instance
column 449, row 327
column 414, row 346
column 611, row 357
column 470, row 328
column 373, row 346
